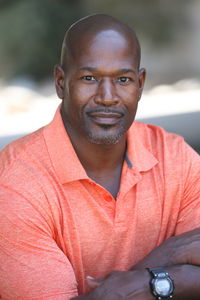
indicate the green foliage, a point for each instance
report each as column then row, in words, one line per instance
column 31, row 31
column 31, row 34
column 156, row 21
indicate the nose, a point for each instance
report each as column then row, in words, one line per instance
column 106, row 93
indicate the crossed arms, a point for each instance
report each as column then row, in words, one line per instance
column 180, row 257
column 34, row 263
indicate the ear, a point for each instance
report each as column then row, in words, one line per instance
column 59, row 77
column 141, row 78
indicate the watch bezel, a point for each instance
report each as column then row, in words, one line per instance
column 158, row 274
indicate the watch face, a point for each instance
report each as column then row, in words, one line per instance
column 162, row 287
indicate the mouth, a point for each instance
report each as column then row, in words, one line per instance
column 105, row 118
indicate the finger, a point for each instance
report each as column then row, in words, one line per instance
column 93, row 283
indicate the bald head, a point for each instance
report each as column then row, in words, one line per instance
column 89, row 27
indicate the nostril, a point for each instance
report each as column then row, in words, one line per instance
column 106, row 94
column 111, row 100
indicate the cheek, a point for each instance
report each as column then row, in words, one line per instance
column 129, row 92
column 130, row 97
column 81, row 93
column 78, row 98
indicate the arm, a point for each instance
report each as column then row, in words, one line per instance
column 134, row 285
column 181, row 249
column 32, row 266
column 180, row 257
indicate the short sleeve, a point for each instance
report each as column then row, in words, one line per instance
column 32, row 266
column 189, row 215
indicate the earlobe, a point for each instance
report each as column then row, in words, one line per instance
column 59, row 76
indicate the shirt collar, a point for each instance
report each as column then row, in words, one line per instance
column 137, row 152
column 62, row 154
column 66, row 163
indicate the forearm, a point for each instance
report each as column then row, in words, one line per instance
column 186, row 276
column 179, row 256
column 135, row 285
column 121, row 285
column 186, row 281
column 177, row 250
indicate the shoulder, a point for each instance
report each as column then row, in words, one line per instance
column 155, row 133
column 171, row 150
column 158, row 140
column 27, row 178
column 21, row 150
column 25, row 162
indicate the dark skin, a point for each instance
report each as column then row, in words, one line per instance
column 91, row 82
column 180, row 257
column 100, row 84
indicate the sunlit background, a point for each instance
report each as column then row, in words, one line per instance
column 31, row 33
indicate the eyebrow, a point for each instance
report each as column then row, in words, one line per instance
column 127, row 71
column 124, row 70
column 88, row 69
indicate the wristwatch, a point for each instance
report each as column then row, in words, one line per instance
column 161, row 284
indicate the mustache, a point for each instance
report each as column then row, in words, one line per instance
column 105, row 110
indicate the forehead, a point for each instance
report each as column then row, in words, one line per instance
column 105, row 48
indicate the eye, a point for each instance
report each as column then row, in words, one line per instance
column 124, row 79
column 89, row 78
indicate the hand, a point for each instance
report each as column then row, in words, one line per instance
column 180, row 253
column 182, row 249
column 118, row 285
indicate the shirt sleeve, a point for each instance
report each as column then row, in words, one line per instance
column 32, row 266
column 189, row 214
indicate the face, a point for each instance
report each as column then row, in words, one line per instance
column 100, row 88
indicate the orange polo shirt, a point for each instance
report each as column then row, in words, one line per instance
column 57, row 225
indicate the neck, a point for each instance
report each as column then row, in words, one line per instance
column 98, row 157
column 102, row 163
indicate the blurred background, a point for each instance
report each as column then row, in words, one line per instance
column 31, row 33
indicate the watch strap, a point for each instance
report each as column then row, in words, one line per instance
column 157, row 272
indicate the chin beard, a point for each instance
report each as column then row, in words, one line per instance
column 106, row 137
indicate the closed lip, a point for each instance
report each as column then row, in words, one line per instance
column 105, row 114
column 106, row 118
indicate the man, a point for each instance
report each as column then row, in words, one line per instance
column 89, row 201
